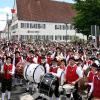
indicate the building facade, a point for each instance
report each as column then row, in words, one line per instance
column 47, row 20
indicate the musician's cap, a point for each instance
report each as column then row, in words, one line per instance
column 9, row 57
column 92, row 57
column 49, row 53
column 63, row 60
column 80, row 60
column 72, row 58
column 58, row 48
column 80, row 51
column 98, row 68
column 31, row 51
column 98, row 53
column 17, row 52
column 54, row 60
column 94, row 65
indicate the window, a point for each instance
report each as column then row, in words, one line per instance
column 55, row 37
column 56, row 27
column 60, row 27
column 27, row 25
column 51, row 37
column 33, row 25
column 22, row 25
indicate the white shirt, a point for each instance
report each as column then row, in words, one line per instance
column 79, row 71
column 47, row 67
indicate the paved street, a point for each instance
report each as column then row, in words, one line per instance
column 18, row 93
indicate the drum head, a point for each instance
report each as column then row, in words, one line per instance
column 38, row 73
column 34, row 72
column 68, row 88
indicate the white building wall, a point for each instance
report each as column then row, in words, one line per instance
column 49, row 30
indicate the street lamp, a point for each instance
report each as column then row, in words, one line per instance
column 8, row 25
column 66, row 32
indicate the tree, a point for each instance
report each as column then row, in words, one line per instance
column 88, row 13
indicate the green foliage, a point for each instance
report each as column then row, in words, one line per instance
column 88, row 13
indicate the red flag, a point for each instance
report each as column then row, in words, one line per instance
column 13, row 11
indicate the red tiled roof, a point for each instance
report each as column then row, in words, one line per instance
column 44, row 10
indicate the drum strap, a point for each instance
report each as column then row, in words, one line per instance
column 26, row 72
column 34, row 72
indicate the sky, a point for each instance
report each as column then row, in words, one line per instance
column 5, row 8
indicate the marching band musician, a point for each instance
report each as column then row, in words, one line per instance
column 49, row 58
column 95, row 90
column 7, row 70
column 38, row 56
column 57, row 71
column 58, row 55
column 45, row 64
column 92, row 72
column 73, row 75
column 30, row 59
column 17, row 58
column 90, row 76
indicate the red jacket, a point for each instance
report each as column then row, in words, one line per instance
column 49, row 59
column 39, row 59
column 90, row 76
column 6, row 69
column 71, row 74
column 96, row 84
column 53, row 69
column 30, row 59
column 17, row 60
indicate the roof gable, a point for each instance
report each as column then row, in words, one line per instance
column 44, row 10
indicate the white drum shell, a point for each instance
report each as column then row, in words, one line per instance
column 34, row 72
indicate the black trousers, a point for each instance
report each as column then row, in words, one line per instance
column 76, row 95
column 6, row 84
column 56, row 91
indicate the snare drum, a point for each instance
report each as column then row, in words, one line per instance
column 48, row 84
column 33, row 72
column 68, row 88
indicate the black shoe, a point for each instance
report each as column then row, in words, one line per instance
column 27, row 90
column 21, row 85
column 38, row 98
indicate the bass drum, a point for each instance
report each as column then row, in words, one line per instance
column 48, row 84
column 19, row 69
column 33, row 72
